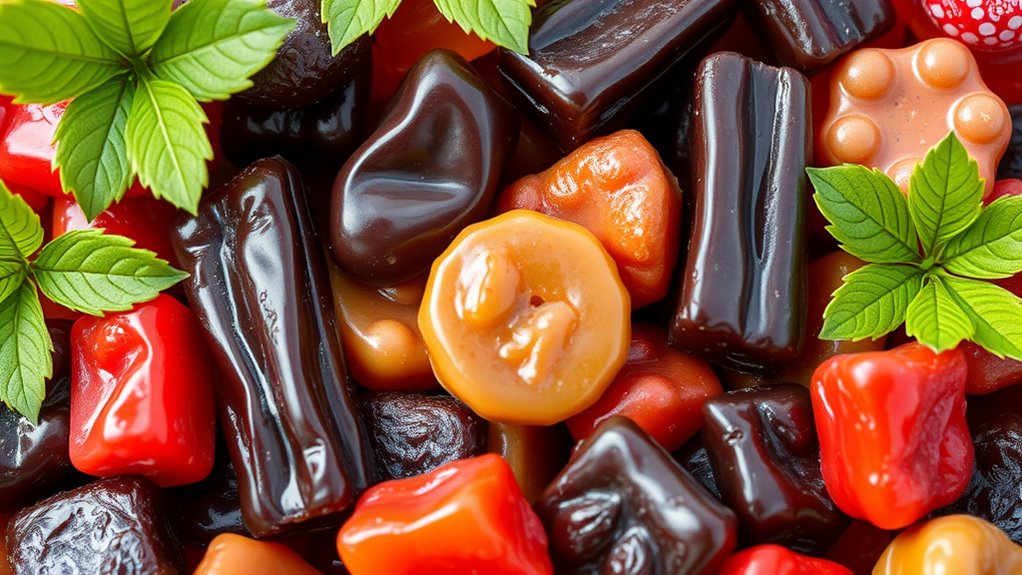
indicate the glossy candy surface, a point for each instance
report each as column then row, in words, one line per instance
column 525, row 318
column 210, row 507
column 957, row 544
column 743, row 292
column 536, row 454
column 623, row 506
column 238, row 555
column 259, row 287
column 429, row 169
column 776, row 560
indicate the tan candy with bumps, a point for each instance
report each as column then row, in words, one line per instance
column 888, row 107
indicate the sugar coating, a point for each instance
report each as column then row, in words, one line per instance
column 888, row 107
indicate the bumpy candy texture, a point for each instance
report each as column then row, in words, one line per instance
column 809, row 34
column 111, row 526
column 957, row 544
column 777, row 560
column 525, row 318
column 893, row 438
column 992, row 25
column 431, row 168
column 465, row 517
column 617, row 188
column 888, row 107
column 590, row 63
column 623, row 506
column 762, row 445
column 412, row 434
column 743, row 293
column 260, row 289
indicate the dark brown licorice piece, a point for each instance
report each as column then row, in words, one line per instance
column 260, row 290
column 765, row 457
column 809, row 34
column 1011, row 162
column 589, row 63
column 743, row 295
column 429, row 170
column 623, row 506
column 113, row 525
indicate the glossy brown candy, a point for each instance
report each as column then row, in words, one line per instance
column 623, row 506
column 113, row 525
column 304, row 71
column 430, row 169
column 743, row 294
column 809, row 34
column 412, row 434
column 535, row 453
column 766, row 461
column 1011, row 161
column 206, row 509
column 259, row 287
column 589, row 63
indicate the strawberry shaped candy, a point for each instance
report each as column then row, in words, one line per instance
column 982, row 24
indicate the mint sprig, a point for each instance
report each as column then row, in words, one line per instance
column 503, row 22
column 137, row 72
column 84, row 270
column 928, row 254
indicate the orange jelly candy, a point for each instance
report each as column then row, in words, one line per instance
column 888, row 107
column 231, row 554
column 525, row 318
column 619, row 189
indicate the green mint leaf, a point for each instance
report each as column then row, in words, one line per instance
column 91, row 272
column 48, row 52
column 166, row 143
column 868, row 214
column 21, row 234
column 991, row 247
column 935, row 319
column 12, row 275
column 994, row 312
column 503, row 22
column 213, row 47
column 346, row 20
column 872, row 301
column 26, row 349
column 129, row 26
column 91, row 151
column 945, row 194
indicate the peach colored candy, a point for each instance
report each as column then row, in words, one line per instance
column 231, row 554
column 525, row 318
column 888, row 107
column 380, row 333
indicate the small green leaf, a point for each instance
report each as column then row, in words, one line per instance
column 503, row 22
column 91, row 151
column 91, row 272
column 167, row 144
column 935, row 319
column 48, row 52
column 346, row 20
column 994, row 312
column 21, row 234
column 867, row 212
column 26, row 349
column 945, row 194
column 213, row 47
column 129, row 26
column 12, row 275
column 871, row 302
column 992, row 246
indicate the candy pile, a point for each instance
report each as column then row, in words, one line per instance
column 454, row 309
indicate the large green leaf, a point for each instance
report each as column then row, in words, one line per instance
column 935, row 319
column 167, row 144
column 129, row 26
column 992, row 246
column 91, row 150
column 21, row 234
column 48, row 52
column 346, row 20
column 504, row 22
column 872, row 301
column 945, row 194
column 867, row 212
column 91, row 272
column 994, row 312
column 12, row 275
column 213, row 47
column 25, row 352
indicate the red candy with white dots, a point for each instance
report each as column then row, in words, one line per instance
column 982, row 24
